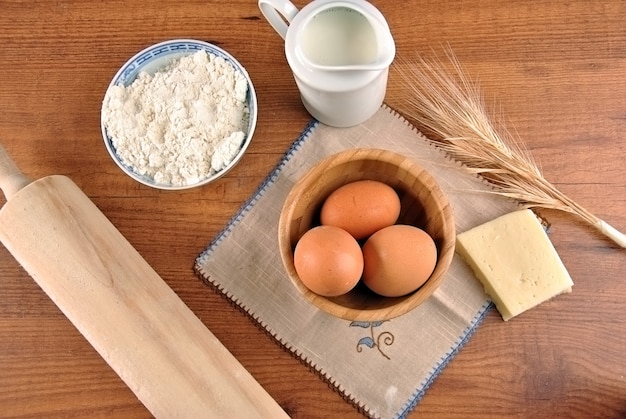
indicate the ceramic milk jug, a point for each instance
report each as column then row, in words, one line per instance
column 339, row 52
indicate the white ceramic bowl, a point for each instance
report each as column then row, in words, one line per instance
column 157, row 57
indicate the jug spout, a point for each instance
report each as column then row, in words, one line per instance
column 374, row 66
column 345, row 37
column 380, row 63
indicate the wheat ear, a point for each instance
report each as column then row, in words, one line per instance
column 451, row 107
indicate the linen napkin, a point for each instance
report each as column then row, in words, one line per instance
column 383, row 368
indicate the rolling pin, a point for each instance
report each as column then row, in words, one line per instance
column 175, row 366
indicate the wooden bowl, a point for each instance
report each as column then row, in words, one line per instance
column 423, row 204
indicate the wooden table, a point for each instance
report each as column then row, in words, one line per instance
column 557, row 72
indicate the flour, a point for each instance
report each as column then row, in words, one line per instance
column 181, row 125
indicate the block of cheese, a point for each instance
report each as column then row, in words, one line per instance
column 515, row 261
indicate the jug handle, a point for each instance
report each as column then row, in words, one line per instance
column 278, row 13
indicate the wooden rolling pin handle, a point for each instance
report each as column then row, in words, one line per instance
column 11, row 179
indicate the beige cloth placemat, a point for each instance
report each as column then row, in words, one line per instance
column 384, row 368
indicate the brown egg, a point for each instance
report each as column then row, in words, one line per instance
column 328, row 261
column 398, row 260
column 361, row 208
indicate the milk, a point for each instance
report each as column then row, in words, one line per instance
column 339, row 36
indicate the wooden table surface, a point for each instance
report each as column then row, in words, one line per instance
column 555, row 70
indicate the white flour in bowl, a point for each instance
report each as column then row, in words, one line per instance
column 181, row 125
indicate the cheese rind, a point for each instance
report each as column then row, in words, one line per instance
column 515, row 261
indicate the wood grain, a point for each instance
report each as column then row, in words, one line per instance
column 556, row 71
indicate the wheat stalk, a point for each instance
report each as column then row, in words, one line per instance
column 450, row 106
